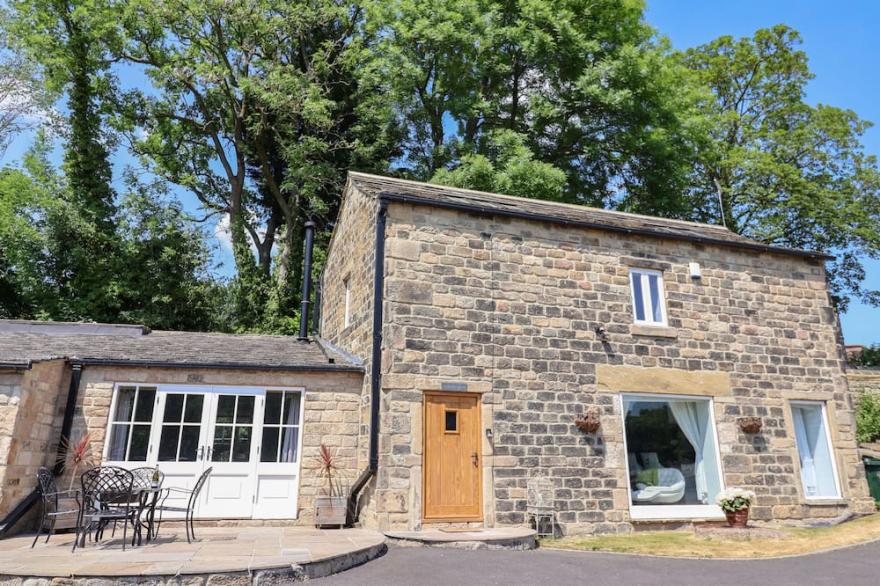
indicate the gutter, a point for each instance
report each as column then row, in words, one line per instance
column 22, row 508
column 222, row 365
column 375, row 363
column 514, row 213
column 16, row 365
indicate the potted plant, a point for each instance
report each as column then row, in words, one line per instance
column 332, row 506
column 735, row 503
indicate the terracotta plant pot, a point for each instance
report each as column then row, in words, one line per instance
column 738, row 519
column 751, row 425
column 589, row 421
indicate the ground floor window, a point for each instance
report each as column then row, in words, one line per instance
column 672, row 456
column 818, row 473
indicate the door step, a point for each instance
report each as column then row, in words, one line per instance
column 520, row 538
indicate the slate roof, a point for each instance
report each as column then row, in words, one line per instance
column 428, row 194
column 24, row 342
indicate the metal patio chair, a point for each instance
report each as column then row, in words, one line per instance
column 107, row 497
column 540, row 494
column 50, row 510
column 190, row 508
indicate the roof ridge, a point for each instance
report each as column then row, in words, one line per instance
column 576, row 206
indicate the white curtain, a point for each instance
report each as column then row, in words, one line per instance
column 289, row 434
column 688, row 418
column 817, row 470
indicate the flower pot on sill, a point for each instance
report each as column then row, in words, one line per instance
column 330, row 510
column 738, row 519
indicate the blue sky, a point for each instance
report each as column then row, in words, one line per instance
column 843, row 44
column 840, row 39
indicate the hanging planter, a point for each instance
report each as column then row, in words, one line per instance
column 750, row 425
column 589, row 421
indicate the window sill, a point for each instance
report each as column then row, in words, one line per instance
column 826, row 502
column 653, row 331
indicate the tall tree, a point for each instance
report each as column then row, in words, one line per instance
column 778, row 169
column 583, row 83
column 66, row 40
column 260, row 108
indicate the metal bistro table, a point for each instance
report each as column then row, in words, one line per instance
column 148, row 498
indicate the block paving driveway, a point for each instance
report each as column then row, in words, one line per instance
column 449, row 567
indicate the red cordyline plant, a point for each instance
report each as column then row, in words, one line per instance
column 328, row 469
column 76, row 455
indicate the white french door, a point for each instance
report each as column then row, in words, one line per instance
column 249, row 436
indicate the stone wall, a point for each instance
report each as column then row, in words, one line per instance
column 864, row 380
column 331, row 412
column 509, row 308
column 31, row 410
column 351, row 258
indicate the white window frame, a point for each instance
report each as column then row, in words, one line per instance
column 833, row 456
column 346, row 283
column 670, row 512
column 643, row 275
column 156, row 422
column 108, row 433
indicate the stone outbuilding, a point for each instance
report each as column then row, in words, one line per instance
column 255, row 408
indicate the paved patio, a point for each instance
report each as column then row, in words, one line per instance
column 287, row 552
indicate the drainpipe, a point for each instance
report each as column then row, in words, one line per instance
column 375, row 364
column 67, row 422
column 21, row 509
column 307, row 282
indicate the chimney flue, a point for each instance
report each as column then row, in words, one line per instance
column 307, row 281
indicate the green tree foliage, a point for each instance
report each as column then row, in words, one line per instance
column 868, row 418
column 869, row 356
column 507, row 167
column 786, row 173
column 159, row 264
column 258, row 108
column 65, row 39
column 581, row 81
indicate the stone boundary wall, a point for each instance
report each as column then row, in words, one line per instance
column 864, row 380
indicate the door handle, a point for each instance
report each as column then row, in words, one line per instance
column 475, row 458
column 201, row 453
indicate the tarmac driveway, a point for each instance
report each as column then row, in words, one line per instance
column 450, row 567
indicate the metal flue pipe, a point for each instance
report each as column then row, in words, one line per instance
column 307, row 281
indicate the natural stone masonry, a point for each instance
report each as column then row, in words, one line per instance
column 332, row 403
column 509, row 308
column 243, row 556
column 30, row 420
column 864, row 380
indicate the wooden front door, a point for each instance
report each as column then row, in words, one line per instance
column 452, row 458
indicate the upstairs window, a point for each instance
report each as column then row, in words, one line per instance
column 647, row 295
column 347, row 316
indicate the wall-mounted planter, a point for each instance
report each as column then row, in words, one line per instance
column 750, row 424
column 589, row 421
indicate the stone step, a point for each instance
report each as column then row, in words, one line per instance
column 520, row 538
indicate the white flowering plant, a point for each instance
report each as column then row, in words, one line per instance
column 734, row 499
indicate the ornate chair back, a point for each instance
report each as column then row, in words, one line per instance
column 106, row 486
column 48, row 489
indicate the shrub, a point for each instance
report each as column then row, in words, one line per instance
column 868, row 418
